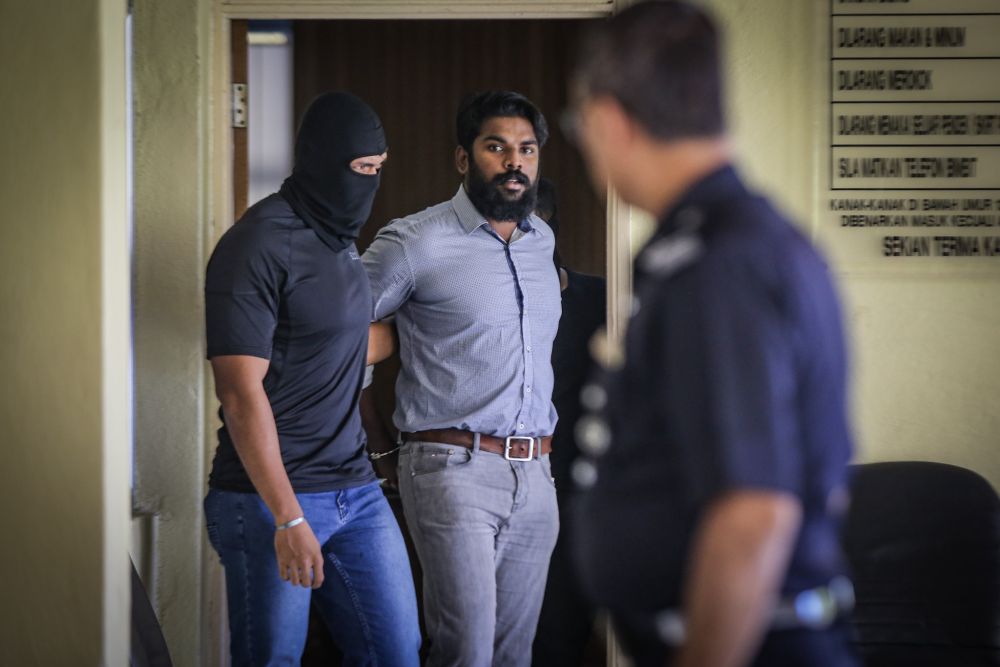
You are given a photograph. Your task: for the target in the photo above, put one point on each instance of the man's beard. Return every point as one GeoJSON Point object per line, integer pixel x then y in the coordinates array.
{"type": "Point", "coordinates": [493, 203]}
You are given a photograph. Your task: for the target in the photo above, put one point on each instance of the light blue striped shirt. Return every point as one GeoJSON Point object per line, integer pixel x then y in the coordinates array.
{"type": "Point", "coordinates": [476, 319]}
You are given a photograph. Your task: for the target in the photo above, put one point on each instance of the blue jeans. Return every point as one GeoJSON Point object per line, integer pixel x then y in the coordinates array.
{"type": "Point", "coordinates": [484, 529]}
{"type": "Point", "coordinates": [367, 597]}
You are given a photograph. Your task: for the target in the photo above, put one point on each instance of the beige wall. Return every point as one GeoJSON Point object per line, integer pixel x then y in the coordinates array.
{"type": "Point", "coordinates": [63, 334]}
{"type": "Point", "coordinates": [171, 157]}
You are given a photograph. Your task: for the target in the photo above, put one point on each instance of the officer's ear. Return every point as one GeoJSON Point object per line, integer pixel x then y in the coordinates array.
{"type": "Point", "coordinates": [461, 160]}
{"type": "Point", "coordinates": [611, 119]}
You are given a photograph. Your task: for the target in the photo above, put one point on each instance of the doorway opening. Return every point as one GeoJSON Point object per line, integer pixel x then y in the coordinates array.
{"type": "Point", "coordinates": [413, 72]}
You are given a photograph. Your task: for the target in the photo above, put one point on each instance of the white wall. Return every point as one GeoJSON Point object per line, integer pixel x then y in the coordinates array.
{"type": "Point", "coordinates": [272, 125]}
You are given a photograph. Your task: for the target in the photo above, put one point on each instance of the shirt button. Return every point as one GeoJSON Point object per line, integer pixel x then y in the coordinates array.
{"type": "Point", "coordinates": [527, 390]}
{"type": "Point", "coordinates": [520, 427]}
{"type": "Point", "coordinates": [593, 435]}
{"type": "Point", "coordinates": [593, 397]}
{"type": "Point", "coordinates": [528, 348]}
{"type": "Point", "coordinates": [584, 473]}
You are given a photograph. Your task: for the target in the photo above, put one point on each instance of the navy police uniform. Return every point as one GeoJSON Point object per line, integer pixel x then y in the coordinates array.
{"type": "Point", "coordinates": [733, 377]}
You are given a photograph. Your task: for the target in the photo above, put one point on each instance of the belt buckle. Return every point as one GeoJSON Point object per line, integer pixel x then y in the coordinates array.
{"type": "Point", "coordinates": [531, 448]}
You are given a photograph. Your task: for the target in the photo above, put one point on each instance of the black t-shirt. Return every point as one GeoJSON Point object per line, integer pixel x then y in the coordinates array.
{"type": "Point", "coordinates": [583, 312]}
{"type": "Point", "coordinates": [275, 291]}
{"type": "Point", "coordinates": [734, 378]}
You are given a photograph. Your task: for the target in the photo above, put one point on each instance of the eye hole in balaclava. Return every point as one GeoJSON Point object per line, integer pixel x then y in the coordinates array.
{"type": "Point", "coordinates": [323, 190]}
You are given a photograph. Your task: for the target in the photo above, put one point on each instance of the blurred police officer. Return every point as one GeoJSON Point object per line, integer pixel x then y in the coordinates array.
{"type": "Point", "coordinates": [717, 477]}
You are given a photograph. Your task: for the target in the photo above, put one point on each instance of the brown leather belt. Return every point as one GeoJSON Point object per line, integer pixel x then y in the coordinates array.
{"type": "Point", "coordinates": [514, 448]}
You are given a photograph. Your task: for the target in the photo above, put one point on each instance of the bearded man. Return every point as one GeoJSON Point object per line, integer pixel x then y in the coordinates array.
{"type": "Point", "coordinates": [477, 303]}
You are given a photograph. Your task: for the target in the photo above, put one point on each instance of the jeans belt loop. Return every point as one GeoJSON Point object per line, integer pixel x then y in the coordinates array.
{"type": "Point", "coordinates": [475, 443]}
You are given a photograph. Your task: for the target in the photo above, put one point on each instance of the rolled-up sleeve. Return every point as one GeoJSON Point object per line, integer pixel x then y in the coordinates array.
{"type": "Point", "coordinates": [389, 271]}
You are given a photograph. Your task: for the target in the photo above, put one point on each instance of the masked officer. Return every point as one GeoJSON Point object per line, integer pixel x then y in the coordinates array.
{"type": "Point", "coordinates": [293, 509]}
{"type": "Point", "coordinates": [718, 464]}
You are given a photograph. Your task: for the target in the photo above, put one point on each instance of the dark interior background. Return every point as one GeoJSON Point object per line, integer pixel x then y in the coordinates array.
{"type": "Point", "coordinates": [414, 73]}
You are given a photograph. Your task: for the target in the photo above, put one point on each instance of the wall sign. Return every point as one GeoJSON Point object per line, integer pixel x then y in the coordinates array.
{"type": "Point", "coordinates": [914, 162]}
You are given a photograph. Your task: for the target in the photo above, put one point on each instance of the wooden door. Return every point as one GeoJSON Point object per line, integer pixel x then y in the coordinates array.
{"type": "Point", "coordinates": [241, 166]}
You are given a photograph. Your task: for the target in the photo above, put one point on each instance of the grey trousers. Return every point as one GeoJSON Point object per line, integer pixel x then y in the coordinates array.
{"type": "Point", "coordinates": [484, 528]}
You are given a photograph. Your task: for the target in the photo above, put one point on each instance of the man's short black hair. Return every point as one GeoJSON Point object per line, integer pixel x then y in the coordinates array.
{"type": "Point", "coordinates": [660, 60]}
{"type": "Point", "coordinates": [547, 208]}
{"type": "Point", "coordinates": [546, 203]}
{"type": "Point", "coordinates": [479, 107]}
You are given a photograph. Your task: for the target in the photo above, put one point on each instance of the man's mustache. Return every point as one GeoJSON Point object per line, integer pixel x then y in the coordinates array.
{"type": "Point", "coordinates": [500, 179]}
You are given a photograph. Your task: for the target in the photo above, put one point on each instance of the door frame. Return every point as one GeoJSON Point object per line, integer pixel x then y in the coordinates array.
{"type": "Point", "coordinates": [619, 214]}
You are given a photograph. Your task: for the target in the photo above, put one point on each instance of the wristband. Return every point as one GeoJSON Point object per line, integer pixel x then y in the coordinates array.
{"type": "Point", "coordinates": [294, 522]}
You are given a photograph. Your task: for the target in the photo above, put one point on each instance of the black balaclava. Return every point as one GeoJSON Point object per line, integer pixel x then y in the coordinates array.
{"type": "Point", "coordinates": [323, 190]}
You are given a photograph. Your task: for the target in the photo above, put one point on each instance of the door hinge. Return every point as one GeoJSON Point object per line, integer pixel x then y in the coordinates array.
{"type": "Point", "coordinates": [239, 105]}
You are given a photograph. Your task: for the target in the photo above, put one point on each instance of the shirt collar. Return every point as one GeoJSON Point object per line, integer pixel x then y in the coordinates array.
{"type": "Point", "coordinates": [471, 219]}
{"type": "Point", "coordinates": [722, 183]}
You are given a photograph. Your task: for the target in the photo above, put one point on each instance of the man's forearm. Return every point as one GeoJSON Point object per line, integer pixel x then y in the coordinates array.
{"type": "Point", "coordinates": [735, 571]}
{"type": "Point", "coordinates": [250, 422]}
{"type": "Point", "coordinates": [382, 341]}
{"type": "Point", "coordinates": [379, 440]}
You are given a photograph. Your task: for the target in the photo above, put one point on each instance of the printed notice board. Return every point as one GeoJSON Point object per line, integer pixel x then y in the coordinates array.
{"type": "Point", "coordinates": [914, 145]}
